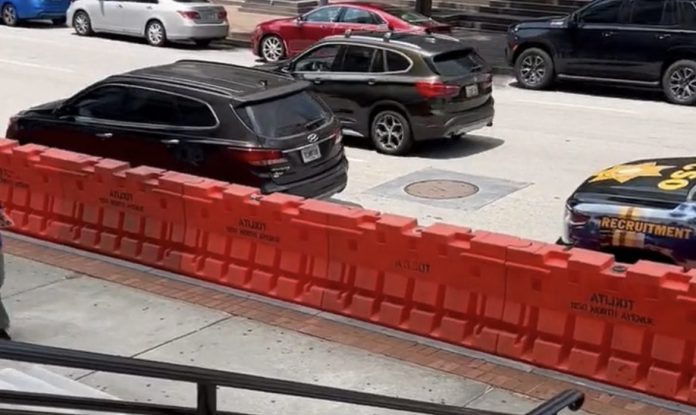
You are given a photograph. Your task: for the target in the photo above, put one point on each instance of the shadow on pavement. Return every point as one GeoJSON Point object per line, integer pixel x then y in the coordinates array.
{"type": "Point", "coordinates": [446, 148]}
{"type": "Point", "coordinates": [608, 91]}
{"type": "Point", "coordinates": [39, 24]}
{"type": "Point", "coordinates": [180, 45]}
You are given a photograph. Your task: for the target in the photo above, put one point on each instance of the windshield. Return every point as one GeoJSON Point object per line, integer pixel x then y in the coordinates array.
{"type": "Point", "coordinates": [457, 63]}
{"type": "Point", "coordinates": [286, 116]}
{"type": "Point", "coordinates": [407, 15]}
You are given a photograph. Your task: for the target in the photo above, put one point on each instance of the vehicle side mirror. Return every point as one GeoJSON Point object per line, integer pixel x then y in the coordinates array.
{"type": "Point", "coordinates": [285, 68]}
{"type": "Point", "coordinates": [574, 20]}
{"type": "Point", "coordinates": [64, 112]}
{"type": "Point", "coordinates": [299, 21]}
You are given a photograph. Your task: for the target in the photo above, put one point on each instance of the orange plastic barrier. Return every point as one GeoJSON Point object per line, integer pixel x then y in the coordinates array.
{"type": "Point", "coordinates": [574, 311]}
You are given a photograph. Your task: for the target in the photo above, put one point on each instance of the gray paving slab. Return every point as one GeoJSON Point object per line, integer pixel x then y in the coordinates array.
{"type": "Point", "coordinates": [246, 346]}
{"type": "Point", "coordinates": [24, 275]}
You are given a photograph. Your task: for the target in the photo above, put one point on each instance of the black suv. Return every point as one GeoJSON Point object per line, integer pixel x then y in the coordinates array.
{"type": "Point", "coordinates": [397, 88]}
{"type": "Point", "coordinates": [641, 42]}
{"type": "Point", "coordinates": [226, 122]}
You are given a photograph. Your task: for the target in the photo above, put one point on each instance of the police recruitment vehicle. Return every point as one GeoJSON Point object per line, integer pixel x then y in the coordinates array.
{"type": "Point", "coordinates": [644, 209]}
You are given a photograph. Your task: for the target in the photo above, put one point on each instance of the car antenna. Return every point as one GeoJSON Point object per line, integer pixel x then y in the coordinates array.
{"type": "Point", "coordinates": [349, 32]}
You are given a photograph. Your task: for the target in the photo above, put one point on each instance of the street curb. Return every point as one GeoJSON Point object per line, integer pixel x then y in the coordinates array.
{"type": "Point", "coordinates": [245, 43]}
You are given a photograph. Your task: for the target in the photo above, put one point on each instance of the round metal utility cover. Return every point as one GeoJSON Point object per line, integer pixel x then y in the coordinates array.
{"type": "Point", "coordinates": [441, 189]}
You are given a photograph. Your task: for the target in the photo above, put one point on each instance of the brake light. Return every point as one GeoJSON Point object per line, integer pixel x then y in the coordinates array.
{"type": "Point", "coordinates": [436, 89]}
{"type": "Point", "coordinates": [256, 157]}
{"type": "Point", "coordinates": [338, 136]}
{"type": "Point", "coordinates": [488, 81]}
{"type": "Point", "coordinates": [188, 14]}
{"type": "Point", "coordinates": [222, 14]}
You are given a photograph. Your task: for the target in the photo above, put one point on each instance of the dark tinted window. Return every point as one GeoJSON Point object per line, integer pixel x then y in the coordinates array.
{"type": "Point", "coordinates": [354, 15]}
{"type": "Point", "coordinates": [396, 62]}
{"type": "Point", "coordinates": [285, 116]}
{"type": "Point", "coordinates": [105, 103]}
{"type": "Point", "coordinates": [357, 59]}
{"type": "Point", "coordinates": [688, 13]}
{"type": "Point", "coordinates": [320, 59]}
{"type": "Point", "coordinates": [606, 11]}
{"type": "Point", "coordinates": [458, 63]}
{"type": "Point", "coordinates": [152, 107]}
{"type": "Point", "coordinates": [649, 12]}
{"type": "Point", "coordinates": [378, 62]}
{"type": "Point", "coordinates": [327, 14]}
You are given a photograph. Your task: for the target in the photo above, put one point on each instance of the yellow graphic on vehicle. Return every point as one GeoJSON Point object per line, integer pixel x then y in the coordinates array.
{"type": "Point", "coordinates": [680, 178]}
{"type": "Point", "coordinates": [627, 172]}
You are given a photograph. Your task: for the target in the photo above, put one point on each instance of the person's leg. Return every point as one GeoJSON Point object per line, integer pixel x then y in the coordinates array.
{"type": "Point", "coordinates": [4, 317]}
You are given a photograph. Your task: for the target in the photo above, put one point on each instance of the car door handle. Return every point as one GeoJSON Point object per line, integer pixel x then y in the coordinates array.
{"type": "Point", "coordinates": [607, 34]}
{"type": "Point", "coordinates": [663, 36]}
{"type": "Point", "coordinates": [120, 6]}
{"type": "Point", "coordinates": [317, 81]}
{"type": "Point", "coordinates": [371, 81]}
{"type": "Point", "coordinates": [172, 141]}
{"type": "Point", "coordinates": [104, 135]}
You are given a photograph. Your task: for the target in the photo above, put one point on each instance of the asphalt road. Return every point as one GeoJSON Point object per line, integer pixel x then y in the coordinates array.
{"type": "Point", "coordinates": [540, 148]}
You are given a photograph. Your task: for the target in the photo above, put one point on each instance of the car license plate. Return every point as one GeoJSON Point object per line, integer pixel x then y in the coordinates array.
{"type": "Point", "coordinates": [311, 153]}
{"type": "Point", "coordinates": [471, 90]}
{"type": "Point", "coordinates": [209, 16]}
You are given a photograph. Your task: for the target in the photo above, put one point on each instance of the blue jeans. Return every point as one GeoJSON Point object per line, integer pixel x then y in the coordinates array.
{"type": "Point", "coordinates": [4, 317]}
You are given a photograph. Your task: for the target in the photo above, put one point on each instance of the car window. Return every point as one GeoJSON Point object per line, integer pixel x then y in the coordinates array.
{"type": "Point", "coordinates": [357, 59]}
{"type": "Point", "coordinates": [105, 103]}
{"type": "Point", "coordinates": [320, 59]}
{"type": "Point", "coordinates": [650, 12]}
{"type": "Point", "coordinates": [396, 62]}
{"type": "Point", "coordinates": [688, 13]}
{"type": "Point", "coordinates": [457, 63]}
{"type": "Point", "coordinates": [407, 15]}
{"type": "Point", "coordinates": [326, 14]}
{"type": "Point", "coordinates": [378, 62]}
{"type": "Point", "coordinates": [154, 107]}
{"type": "Point", "coordinates": [607, 11]}
{"type": "Point", "coordinates": [359, 16]}
{"type": "Point", "coordinates": [285, 116]}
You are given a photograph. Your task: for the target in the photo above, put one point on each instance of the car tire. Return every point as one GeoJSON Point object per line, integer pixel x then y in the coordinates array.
{"type": "Point", "coordinates": [679, 82]}
{"type": "Point", "coordinates": [82, 23]}
{"type": "Point", "coordinates": [202, 43]}
{"type": "Point", "coordinates": [391, 133]}
{"type": "Point", "coordinates": [59, 22]}
{"type": "Point", "coordinates": [534, 69]}
{"type": "Point", "coordinates": [155, 33]}
{"type": "Point", "coordinates": [9, 15]}
{"type": "Point", "coordinates": [272, 48]}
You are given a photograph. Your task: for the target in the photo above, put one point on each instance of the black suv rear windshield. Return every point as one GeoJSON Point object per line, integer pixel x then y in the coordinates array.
{"type": "Point", "coordinates": [458, 62]}
{"type": "Point", "coordinates": [286, 116]}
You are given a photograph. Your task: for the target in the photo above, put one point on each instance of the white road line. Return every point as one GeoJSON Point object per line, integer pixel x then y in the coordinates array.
{"type": "Point", "coordinates": [586, 107]}
{"type": "Point", "coordinates": [36, 65]}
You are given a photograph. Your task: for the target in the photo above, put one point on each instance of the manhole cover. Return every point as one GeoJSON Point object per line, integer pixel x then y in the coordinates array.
{"type": "Point", "coordinates": [441, 189]}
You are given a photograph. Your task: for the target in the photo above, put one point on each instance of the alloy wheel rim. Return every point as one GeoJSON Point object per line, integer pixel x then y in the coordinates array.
{"type": "Point", "coordinates": [155, 33]}
{"type": "Point", "coordinates": [533, 69]}
{"type": "Point", "coordinates": [9, 15]}
{"type": "Point", "coordinates": [272, 49]}
{"type": "Point", "coordinates": [81, 24]}
{"type": "Point", "coordinates": [682, 83]}
{"type": "Point", "coordinates": [389, 131]}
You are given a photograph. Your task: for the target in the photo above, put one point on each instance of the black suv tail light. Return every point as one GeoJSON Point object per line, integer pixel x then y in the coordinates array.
{"type": "Point", "coordinates": [436, 89]}
{"type": "Point", "coordinates": [257, 157]}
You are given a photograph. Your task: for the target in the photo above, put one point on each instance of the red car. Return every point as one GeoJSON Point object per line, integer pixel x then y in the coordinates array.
{"type": "Point", "coordinates": [283, 38]}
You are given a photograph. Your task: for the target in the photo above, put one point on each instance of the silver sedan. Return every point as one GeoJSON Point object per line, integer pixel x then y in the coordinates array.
{"type": "Point", "coordinates": [158, 21]}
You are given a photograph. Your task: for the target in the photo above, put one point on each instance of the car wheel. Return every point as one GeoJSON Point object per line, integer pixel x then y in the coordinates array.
{"type": "Point", "coordinates": [155, 33]}
{"type": "Point", "coordinates": [679, 82]}
{"type": "Point", "coordinates": [272, 48]}
{"type": "Point", "coordinates": [82, 24]}
{"type": "Point", "coordinates": [202, 43]}
{"type": "Point", "coordinates": [391, 133]}
{"type": "Point", "coordinates": [59, 22]}
{"type": "Point", "coordinates": [9, 15]}
{"type": "Point", "coordinates": [534, 69]}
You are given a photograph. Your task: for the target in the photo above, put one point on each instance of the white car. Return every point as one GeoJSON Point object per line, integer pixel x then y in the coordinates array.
{"type": "Point", "coordinates": [158, 21]}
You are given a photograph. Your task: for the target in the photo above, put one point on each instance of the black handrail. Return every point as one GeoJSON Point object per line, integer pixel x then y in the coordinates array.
{"type": "Point", "coordinates": [208, 380]}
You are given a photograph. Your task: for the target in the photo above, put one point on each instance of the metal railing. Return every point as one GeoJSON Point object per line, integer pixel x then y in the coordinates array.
{"type": "Point", "coordinates": [208, 381]}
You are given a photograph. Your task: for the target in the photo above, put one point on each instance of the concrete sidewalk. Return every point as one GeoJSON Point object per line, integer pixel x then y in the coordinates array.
{"type": "Point", "coordinates": [82, 301]}
{"type": "Point", "coordinates": [491, 45]}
